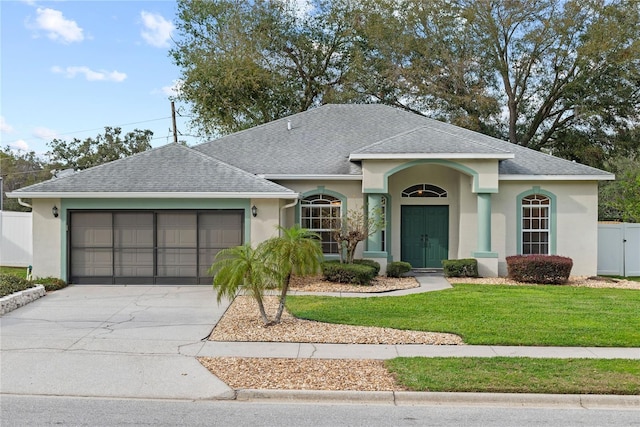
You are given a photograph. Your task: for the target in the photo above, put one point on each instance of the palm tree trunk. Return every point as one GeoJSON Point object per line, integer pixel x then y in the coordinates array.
{"type": "Point", "coordinates": [263, 313]}
{"type": "Point", "coordinates": [283, 298]}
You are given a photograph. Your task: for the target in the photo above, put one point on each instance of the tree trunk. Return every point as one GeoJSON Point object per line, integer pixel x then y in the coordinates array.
{"type": "Point", "coordinates": [283, 298]}
{"type": "Point", "coordinates": [263, 313]}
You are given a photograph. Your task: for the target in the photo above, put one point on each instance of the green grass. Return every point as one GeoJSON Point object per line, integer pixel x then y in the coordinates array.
{"type": "Point", "coordinates": [518, 375]}
{"type": "Point", "coordinates": [494, 314]}
{"type": "Point", "coordinates": [13, 279]}
{"type": "Point", "coordinates": [16, 271]}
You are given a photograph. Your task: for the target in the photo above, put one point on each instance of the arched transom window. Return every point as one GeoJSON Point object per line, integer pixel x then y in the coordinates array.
{"type": "Point", "coordinates": [424, 190]}
{"type": "Point", "coordinates": [321, 214]}
{"type": "Point", "coordinates": [536, 227]}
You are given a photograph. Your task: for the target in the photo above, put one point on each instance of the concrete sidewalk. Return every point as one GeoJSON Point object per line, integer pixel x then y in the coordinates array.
{"type": "Point", "coordinates": [383, 352]}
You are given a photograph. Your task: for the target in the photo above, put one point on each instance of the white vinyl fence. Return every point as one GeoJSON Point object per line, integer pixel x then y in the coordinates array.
{"type": "Point", "coordinates": [619, 249]}
{"type": "Point", "coordinates": [15, 239]}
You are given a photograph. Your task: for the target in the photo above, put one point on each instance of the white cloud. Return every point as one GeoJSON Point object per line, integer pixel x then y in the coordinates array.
{"type": "Point", "coordinates": [4, 126]}
{"type": "Point", "coordinates": [57, 27]}
{"type": "Point", "coordinates": [20, 145]}
{"type": "Point", "coordinates": [45, 133]}
{"type": "Point", "coordinates": [173, 90]}
{"type": "Point", "coordinates": [89, 74]}
{"type": "Point", "coordinates": [157, 30]}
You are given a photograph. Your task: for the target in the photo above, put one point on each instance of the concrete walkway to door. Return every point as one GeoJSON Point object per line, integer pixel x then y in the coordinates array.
{"type": "Point", "coordinates": [112, 341]}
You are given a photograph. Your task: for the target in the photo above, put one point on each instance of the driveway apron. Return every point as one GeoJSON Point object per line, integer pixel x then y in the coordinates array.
{"type": "Point", "coordinates": [112, 341]}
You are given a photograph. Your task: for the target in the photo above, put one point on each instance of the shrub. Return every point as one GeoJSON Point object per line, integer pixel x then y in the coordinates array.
{"type": "Point", "coordinates": [467, 267]}
{"type": "Point", "coordinates": [50, 283]}
{"type": "Point", "coordinates": [10, 284]}
{"type": "Point", "coordinates": [546, 269]}
{"type": "Point", "coordinates": [359, 274]}
{"type": "Point", "coordinates": [398, 268]}
{"type": "Point", "coordinates": [371, 263]}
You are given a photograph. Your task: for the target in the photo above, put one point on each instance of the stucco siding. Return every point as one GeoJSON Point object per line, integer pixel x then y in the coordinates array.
{"type": "Point", "coordinates": [468, 220]}
{"type": "Point", "coordinates": [264, 225]}
{"type": "Point", "coordinates": [576, 216]}
{"type": "Point", "coordinates": [47, 239]}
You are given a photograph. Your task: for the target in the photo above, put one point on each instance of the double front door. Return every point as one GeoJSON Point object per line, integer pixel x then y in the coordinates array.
{"type": "Point", "coordinates": [425, 235]}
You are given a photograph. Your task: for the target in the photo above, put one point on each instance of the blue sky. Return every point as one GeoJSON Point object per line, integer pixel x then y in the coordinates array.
{"type": "Point", "coordinates": [70, 68]}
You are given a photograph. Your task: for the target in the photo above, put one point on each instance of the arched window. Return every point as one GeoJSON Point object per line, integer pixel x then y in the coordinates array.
{"type": "Point", "coordinates": [536, 224]}
{"type": "Point", "coordinates": [321, 213]}
{"type": "Point", "coordinates": [424, 190]}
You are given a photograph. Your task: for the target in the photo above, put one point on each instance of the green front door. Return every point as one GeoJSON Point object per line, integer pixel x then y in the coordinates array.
{"type": "Point", "coordinates": [425, 235]}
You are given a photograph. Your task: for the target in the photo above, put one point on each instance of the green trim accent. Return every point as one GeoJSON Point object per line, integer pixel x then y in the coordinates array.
{"type": "Point", "coordinates": [484, 222]}
{"type": "Point", "coordinates": [144, 204]}
{"type": "Point", "coordinates": [483, 254]}
{"type": "Point", "coordinates": [375, 254]}
{"type": "Point", "coordinates": [552, 218]}
{"type": "Point", "coordinates": [331, 257]}
{"type": "Point", "coordinates": [448, 163]}
{"type": "Point", "coordinates": [388, 234]}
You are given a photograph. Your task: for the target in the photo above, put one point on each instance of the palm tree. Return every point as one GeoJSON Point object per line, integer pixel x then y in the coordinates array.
{"type": "Point", "coordinates": [242, 268]}
{"type": "Point", "coordinates": [296, 251]}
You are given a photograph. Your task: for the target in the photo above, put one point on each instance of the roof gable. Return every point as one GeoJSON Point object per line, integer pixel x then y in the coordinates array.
{"type": "Point", "coordinates": [424, 141]}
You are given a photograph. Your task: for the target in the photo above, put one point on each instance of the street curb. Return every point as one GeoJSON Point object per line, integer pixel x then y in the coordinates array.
{"type": "Point", "coordinates": [408, 398]}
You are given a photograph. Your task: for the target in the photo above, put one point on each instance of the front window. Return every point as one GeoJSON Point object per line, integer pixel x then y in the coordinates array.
{"type": "Point", "coordinates": [424, 190]}
{"type": "Point", "coordinates": [321, 214]}
{"type": "Point", "coordinates": [535, 224]}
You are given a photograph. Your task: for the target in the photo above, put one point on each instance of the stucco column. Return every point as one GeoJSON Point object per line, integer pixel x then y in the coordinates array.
{"type": "Point", "coordinates": [374, 241]}
{"type": "Point", "coordinates": [487, 260]}
{"type": "Point", "coordinates": [484, 222]}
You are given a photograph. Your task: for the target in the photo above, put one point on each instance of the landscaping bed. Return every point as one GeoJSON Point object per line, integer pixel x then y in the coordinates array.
{"type": "Point", "coordinates": [609, 376]}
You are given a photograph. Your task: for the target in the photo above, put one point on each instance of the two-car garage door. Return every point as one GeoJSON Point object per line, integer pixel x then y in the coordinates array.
{"type": "Point", "coordinates": [149, 247]}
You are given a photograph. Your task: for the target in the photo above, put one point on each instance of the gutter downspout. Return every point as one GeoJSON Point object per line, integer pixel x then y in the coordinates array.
{"type": "Point", "coordinates": [26, 205]}
{"type": "Point", "coordinates": [290, 205]}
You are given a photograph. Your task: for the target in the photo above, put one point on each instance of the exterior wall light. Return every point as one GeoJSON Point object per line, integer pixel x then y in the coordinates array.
{"type": "Point", "coordinates": [254, 211]}
{"type": "Point", "coordinates": [54, 211]}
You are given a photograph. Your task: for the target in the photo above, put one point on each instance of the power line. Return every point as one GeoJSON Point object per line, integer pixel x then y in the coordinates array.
{"type": "Point", "coordinates": [90, 130]}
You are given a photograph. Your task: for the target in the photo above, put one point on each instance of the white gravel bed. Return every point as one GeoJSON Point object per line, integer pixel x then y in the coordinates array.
{"type": "Point", "coordinates": [242, 322]}
{"type": "Point", "coordinates": [301, 374]}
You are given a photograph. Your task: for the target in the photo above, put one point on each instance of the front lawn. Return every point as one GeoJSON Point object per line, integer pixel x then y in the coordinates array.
{"type": "Point", "coordinates": [518, 375]}
{"type": "Point", "coordinates": [494, 314]}
{"type": "Point", "coordinates": [16, 271]}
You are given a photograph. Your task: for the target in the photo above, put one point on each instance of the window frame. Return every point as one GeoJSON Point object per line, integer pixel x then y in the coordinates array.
{"type": "Point", "coordinates": [424, 190]}
{"type": "Point", "coordinates": [522, 203]}
{"type": "Point", "coordinates": [328, 200]}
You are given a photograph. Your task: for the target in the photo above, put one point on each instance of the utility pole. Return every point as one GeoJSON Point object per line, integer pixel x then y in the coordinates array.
{"type": "Point", "coordinates": [173, 118]}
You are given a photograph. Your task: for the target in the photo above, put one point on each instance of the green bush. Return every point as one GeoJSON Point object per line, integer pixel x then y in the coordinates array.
{"type": "Point", "coordinates": [50, 283]}
{"type": "Point", "coordinates": [10, 284]}
{"type": "Point", "coordinates": [398, 268]}
{"type": "Point", "coordinates": [358, 274]}
{"type": "Point", "coordinates": [371, 263]}
{"type": "Point", "coordinates": [467, 267]}
{"type": "Point", "coordinates": [545, 269]}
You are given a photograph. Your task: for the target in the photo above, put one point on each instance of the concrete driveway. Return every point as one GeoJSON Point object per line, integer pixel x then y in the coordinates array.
{"type": "Point", "coordinates": [112, 341]}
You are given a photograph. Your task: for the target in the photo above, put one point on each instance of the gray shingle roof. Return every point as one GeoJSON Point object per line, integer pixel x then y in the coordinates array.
{"type": "Point", "coordinates": [322, 139]}
{"type": "Point", "coordinates": [320, 142]}
{"type": "Point", "coordinates": [427, 140]}
{"type": "Point", "coordinates": [172, 168]}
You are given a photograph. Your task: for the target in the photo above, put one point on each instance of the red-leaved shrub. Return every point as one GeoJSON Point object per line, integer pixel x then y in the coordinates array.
{"type": "Point", "coordinates": [547, 269]}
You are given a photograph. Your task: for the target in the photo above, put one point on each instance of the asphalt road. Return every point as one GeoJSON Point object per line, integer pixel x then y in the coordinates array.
{"type": "Point", "coordinates": [68, 411]}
